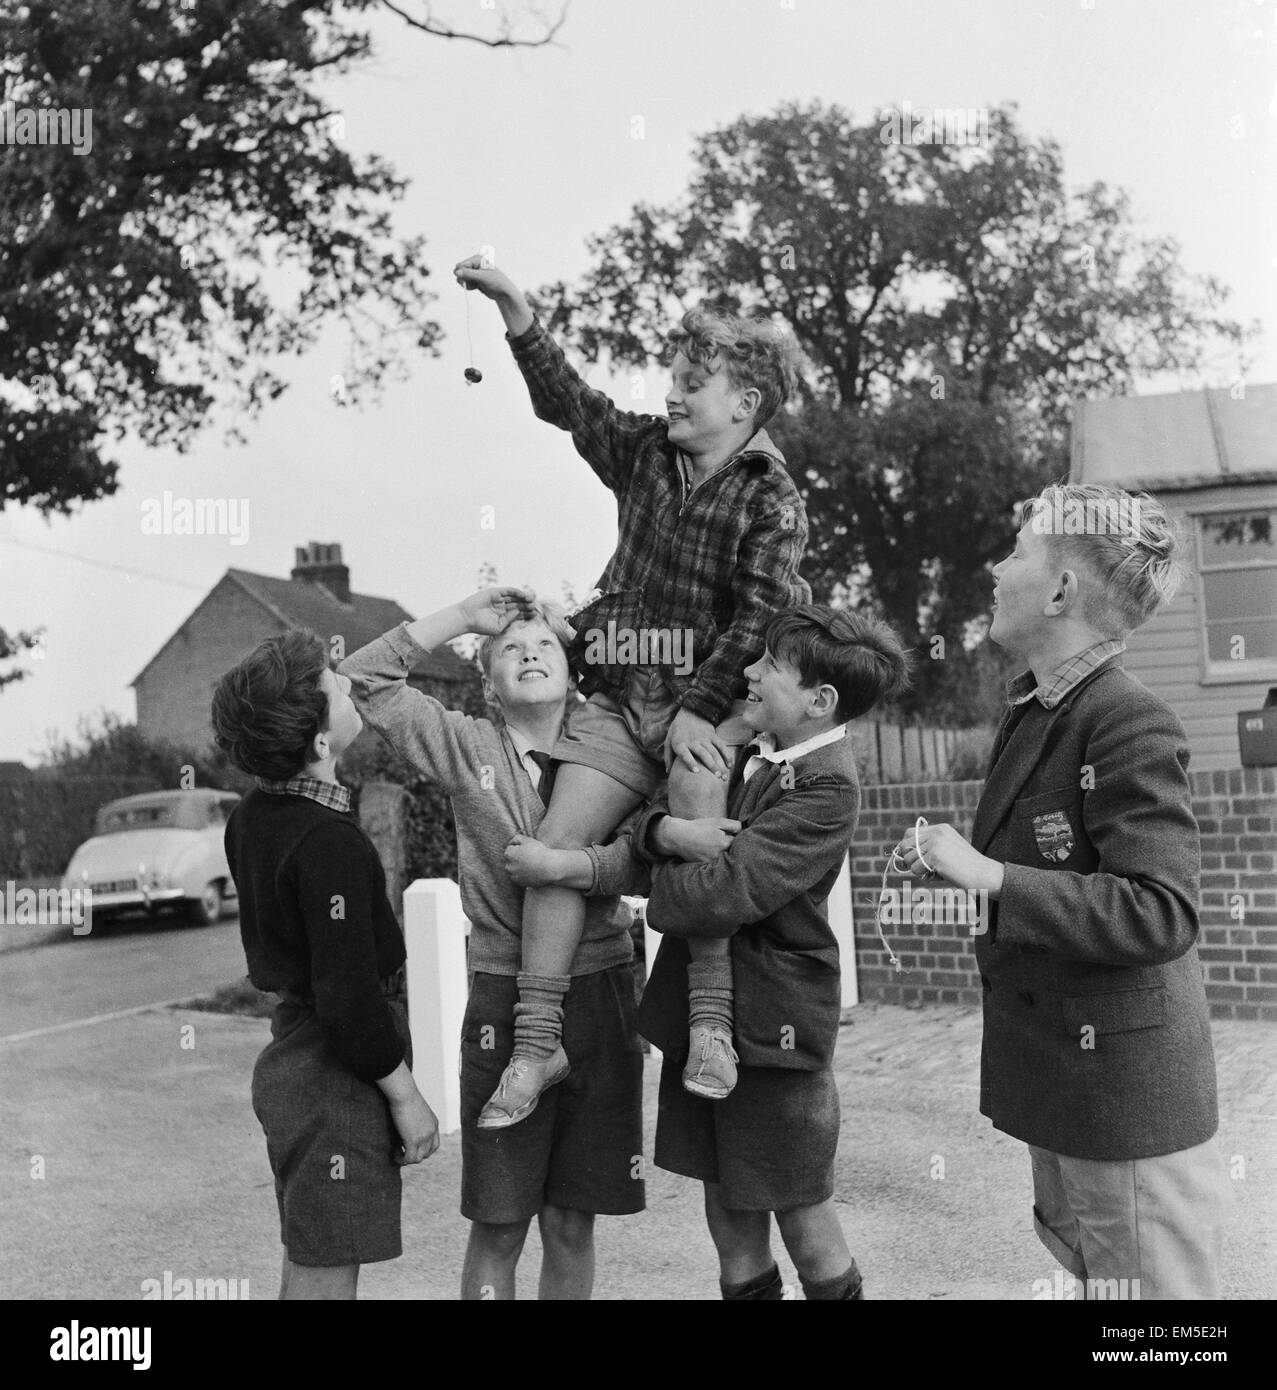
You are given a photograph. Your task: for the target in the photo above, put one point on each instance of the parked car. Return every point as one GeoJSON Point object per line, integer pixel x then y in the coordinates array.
{"type": "Point", "coordinates": [157, 850]}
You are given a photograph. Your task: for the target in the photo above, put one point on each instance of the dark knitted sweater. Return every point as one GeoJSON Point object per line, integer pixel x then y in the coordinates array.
{"type": "Point", "coordinates": [314, 920]}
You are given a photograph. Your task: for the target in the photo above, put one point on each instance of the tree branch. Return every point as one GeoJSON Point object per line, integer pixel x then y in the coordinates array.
{"type": "Point", "coordinates": [429, 25]}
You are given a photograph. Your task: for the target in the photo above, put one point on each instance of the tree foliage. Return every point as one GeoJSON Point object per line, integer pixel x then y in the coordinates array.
{"type": "Point", "coordinates": [142, 276]}
{"type": "Point", "coordinates": [14, 645]}
{"type": "Point", "coordinates": [208, 220]}
{"type": "Point", "coordinates": [111, 747]}
{"type": "Point", "coordinates": [952, 301]}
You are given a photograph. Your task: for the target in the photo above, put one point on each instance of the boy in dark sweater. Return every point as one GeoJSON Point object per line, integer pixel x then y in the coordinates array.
{"type": "Point", "coordinates": [332, 1089]}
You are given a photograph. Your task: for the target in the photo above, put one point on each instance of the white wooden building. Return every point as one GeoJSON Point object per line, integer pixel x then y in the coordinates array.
{"type": "Point", "coordinates": [1211, 459]}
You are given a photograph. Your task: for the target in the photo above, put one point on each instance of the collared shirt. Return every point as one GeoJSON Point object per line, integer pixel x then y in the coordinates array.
{"type": "Point", "coordinates": [330, 794]}
{"type": "Point", "coordinates": [717, 560]}
{"type": "Point", "coordinates": [1066, 675]}
{"type": "Point", "coordinates": [688, 476]}
{"type": "Point", "coordinates": [523, 747]}
{"type": "Point", "coordinates": [769, 753]}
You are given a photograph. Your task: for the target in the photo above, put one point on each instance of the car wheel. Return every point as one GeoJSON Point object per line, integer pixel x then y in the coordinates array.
{"type": "Point", "coordinates": [207, 908]}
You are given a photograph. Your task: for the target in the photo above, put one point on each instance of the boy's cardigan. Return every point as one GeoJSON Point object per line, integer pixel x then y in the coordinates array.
{"type": "Point", "coordinates": [314, 920]}
{"type": "Point", "coordinates": [767, 892]}
{"type": "Point", "coordinates": [1096, 1033]}
{"type": "Point", "coordinates": [718, 563]}
{"type": "Point", "coordinates": [493, 799]}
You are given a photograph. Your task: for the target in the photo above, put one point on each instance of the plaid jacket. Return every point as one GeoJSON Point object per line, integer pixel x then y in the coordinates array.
{"type": "Point", "coordinates": [715, 564]}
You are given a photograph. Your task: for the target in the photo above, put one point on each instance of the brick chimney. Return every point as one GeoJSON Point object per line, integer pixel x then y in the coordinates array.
{"type": "Point", "coordinates": [319, 562]}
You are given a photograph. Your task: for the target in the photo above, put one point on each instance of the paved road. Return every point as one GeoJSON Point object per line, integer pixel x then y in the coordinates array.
{"type": "Point", "coordinates": [122, 967]}
{"type": "Point", "coordinates": [130, 1149]}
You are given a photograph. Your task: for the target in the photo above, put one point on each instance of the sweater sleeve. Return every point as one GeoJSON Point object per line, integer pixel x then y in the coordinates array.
{"type": "Point", "coordinates": [1139, 906]}
{"type": "Point", "coordinates": [786, 850]}
{"type": "Point", "coordinates": [437, 741]}
{"type": "Point", "coordinates": [617, 868]}
{"type": "Point", "coordinates": [328, 876]}
{"type": "Point", "coordinates": [609, 439]}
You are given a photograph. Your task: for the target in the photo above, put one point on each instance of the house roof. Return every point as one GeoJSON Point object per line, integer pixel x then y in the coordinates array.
{"type": "Point", "coordinates": [304, 603]}
{"type": "Point", "coordinates": [1185, 439]}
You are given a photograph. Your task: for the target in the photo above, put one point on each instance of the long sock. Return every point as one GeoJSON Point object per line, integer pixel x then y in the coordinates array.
{"type": "Point", "coordinates": [837, 1290]}
{"type": "Point", "coordinates": [538, 1016]}
{"type": "Point", "coordinates": [709, 992]}
{"type": "Point", "coordinates": [763, 1288]}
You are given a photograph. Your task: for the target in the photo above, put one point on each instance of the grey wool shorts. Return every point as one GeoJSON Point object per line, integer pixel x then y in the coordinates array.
{"type": "Point", "coordinates": [770, 1145]}
{"type": "Point", "coordinates": [331, 1144]}
{"type": "Point", "coordinates": [582, 1147]}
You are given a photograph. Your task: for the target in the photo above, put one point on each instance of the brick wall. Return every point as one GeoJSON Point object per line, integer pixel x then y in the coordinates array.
{"type": "Point", "coordinates": [1237, 812]}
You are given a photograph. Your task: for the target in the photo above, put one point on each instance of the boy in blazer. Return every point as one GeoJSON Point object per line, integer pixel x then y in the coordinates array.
{"type": "Point", "coordinates": [1097, 1049]}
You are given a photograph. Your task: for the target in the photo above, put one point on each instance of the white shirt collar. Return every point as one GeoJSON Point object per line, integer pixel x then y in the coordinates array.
{"type": "Point", "coordinates": [523, 747]}
{"type": "Point", "coordinates": [768, 752]}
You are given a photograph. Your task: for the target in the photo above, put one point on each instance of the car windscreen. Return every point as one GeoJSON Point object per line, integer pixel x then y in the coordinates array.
{"type": "Point", "coordinates": [177, 813]}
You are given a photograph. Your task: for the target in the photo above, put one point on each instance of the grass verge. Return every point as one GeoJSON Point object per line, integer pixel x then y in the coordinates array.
{"type": "Point", "coordinates": [241, 997]}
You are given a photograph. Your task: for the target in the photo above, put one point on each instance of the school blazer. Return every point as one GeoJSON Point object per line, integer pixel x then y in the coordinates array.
{"type": "Point", "coordinates": [1096, 1032]}
{"type": "Point", "coordinates": [768, 894]}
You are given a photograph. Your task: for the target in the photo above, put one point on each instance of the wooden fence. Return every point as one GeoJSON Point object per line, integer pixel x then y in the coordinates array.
{"type": "Point", "coordinates": [903, 752]}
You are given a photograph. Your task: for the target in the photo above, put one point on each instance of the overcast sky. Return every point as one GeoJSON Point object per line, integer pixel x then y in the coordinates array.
{"type": "Point", "coordinates": [530, 152]}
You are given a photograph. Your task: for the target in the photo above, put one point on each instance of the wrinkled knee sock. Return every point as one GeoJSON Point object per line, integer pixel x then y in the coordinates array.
{"type": "Point", "coordinates": [709, 992]}
{"type": "Point", "coordinates": [763, 1288]}
{"type": "Point", "coordinates": [538, 1016]}
{"type": "Point", "coordinates": [837, 1290]}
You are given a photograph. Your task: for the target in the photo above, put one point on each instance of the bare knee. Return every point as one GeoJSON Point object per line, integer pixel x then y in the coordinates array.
{"type": "Point", "coordinates": [736, 1234]}
{"type": "Point", "coordinates": [696, 795]}
{"type": "Point", "coordinates": [498, 1241]}
{"type": "Point", "coordinates": [571, 1232]}
{"type": "Point", "coordinates": [814, 1238]}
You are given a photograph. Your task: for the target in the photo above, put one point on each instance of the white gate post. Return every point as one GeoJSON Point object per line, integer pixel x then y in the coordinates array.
{"type": "Point", "coordinates": [435, 937]}
{"type": "Point", "coordinates": [842, 920]}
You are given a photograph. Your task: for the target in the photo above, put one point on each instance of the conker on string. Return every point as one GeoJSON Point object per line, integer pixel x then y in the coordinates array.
{"type": "Point", "coordinates": [474, 376]}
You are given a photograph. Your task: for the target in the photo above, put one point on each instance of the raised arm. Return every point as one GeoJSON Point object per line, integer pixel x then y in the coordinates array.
{"type": "Point", "coordinates": [431, 738]}
{"type": "Point", "coordinates": [609, 439]}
